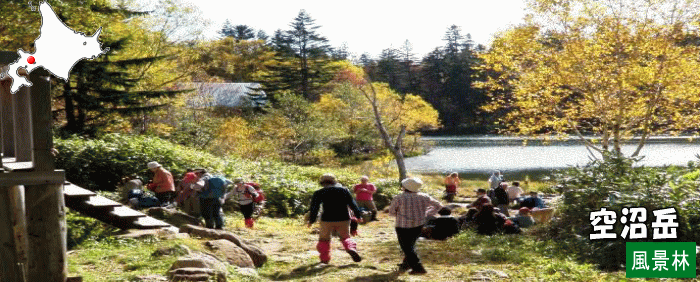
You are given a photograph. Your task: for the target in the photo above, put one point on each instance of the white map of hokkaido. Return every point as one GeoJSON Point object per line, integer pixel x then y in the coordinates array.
{"type": "Point", "coordinates": [58, 49]}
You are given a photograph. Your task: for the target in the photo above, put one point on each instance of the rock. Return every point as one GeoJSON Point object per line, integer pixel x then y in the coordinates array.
{"type": "Point", "coordinates": [231, 252]}
{"type": "Point", "coordinates": [256, 253]}
{"type": "Point", "coordinates": [479, 278]}
{"type": "Point", "coordinates": [173, 216]}
{"type": "Point", "coordinates": [198, 267]}
{"type": "Point", "coordinates": [249, 272]}
{"type": "Point", "coordinates": [151, 278]}
{"type": "Point", "coordinates": [175, 250]}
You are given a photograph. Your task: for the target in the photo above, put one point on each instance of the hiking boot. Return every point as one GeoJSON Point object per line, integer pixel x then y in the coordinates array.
{"type": "Point", "coordinates": [355, 256]}
{"type": "Point", "coordinates": [418, 270]}
{"type": "Point", "coordinates": [403, 267]}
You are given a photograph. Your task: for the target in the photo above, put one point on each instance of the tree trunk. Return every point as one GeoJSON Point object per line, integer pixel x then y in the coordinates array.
{"type": "Point", "coordinates": [394, 148]}
{"type": "Point", "coordinates": [69, 107]}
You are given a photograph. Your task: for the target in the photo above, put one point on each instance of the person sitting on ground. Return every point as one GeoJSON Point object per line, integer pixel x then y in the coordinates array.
{"type": "Point", "coordinates": [488, 221]}
{"type": "Point", "coordinates": [128, 184]}
{"type": "Point", "coordinates": [467, 221]}
{"type": "Point", "coordinates": [533, 201]}
{"type": "Point", "coordinates": [441, 227]}
{"type": "Point", "coordinates": [363, 194]}
{"type": "Point", "coordinates": [523, 218]}
{"type": "Point", "coordinates": [410, 209]}
{"type": "Point", "coordinates": [501, 200]}
{"type": "Point", "coordinates": [538, 210]}
{"type": "Point", "coordinates": [335, 200]}
{"type": "Point", "coordinates": [481, 199]}
{"type": "Point", "coordinates": [162, 184]}
{"type": "Point", "coordinates": [514, 192]}
{"type": "Point", "coordinates": [451, 184]}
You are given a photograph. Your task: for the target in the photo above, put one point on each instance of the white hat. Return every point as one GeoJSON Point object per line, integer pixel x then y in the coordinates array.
{"type": "Point", "coordinates": [153, 165]}
{"type": "Point", "coordinates": [412, 184]}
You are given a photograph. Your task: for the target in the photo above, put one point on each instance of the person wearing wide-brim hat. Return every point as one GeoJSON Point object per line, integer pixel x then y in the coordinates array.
{"type": "Point", "coordinates": [410, 209]}
{"type": "Point", "coordinates": [335, 200]}
{"type": "Point", "coordinates": [163, 184]}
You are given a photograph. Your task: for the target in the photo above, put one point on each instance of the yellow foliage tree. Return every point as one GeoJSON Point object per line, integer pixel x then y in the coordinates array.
{"type": "Point", "coordinates": [361, 105]}
{"type": "Point", "coordinates": [612, 68]}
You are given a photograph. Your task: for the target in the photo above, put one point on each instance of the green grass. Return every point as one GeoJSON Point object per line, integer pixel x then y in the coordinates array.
{"type": "Point", "coordinates": [290, 247]}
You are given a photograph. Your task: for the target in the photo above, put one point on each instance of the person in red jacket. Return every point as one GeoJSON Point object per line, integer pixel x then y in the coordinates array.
{"type": "Point", "coordinates": [162, 184]}
{"type": "Point", "coordinates": [363, 194]}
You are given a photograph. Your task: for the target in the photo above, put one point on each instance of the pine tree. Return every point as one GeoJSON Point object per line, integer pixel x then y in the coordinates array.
{"type": "Point", "coordinates": [227, 29]}
{"type": "Point", "coordinates": [303, 57]}
{"type": "Point", "coordinates": [243, 32]}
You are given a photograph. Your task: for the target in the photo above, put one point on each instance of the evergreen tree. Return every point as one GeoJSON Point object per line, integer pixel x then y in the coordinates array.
{"type": "Point", "coordinates": [448, 73]}
{"type": "Point", "coordinates": [262, 35]}
{"type": "Point", "coordinates": [227, 29]}
{"type": "Point", "coordinates": [303, 58]}
{"type": "Point", "coordinates": [243, 32]}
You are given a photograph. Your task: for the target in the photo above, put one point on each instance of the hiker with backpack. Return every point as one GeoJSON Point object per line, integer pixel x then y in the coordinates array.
{"type": "Point", "coordinates": [246, 196]}
{"type": "Point", "coordinates": [211, 195]}
{"type": "Point", "coordinates": [335, 200]}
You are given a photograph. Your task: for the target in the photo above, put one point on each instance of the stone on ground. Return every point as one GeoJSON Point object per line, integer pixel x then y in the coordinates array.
{"type": "Point", "coordinates": [233, 254]}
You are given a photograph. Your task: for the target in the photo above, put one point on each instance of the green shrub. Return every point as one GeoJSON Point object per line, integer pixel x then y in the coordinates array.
{"type": "Point", "coordinates": [614, 184]}
{"type": "Point", "coordinates": [99, 165]}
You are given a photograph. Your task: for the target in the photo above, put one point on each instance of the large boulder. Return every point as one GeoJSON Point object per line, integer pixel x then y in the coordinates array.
{"type": "Point", "coordinates": [198, 267]}
{"type": "Point", "coordinates": [256, 253]}
{"type": "Point", "coordinates": [173, 216]}
{"type": "Point", "coordinates": [231, 252]}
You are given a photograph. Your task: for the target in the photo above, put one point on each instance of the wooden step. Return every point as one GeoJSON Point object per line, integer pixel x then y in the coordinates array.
{"type": "Point", "coordinates": [101, 202]}
{"type": "Point", "coordinates": [73, 191]}
{"type": "Point", "coordinates": [125, 212]}
{"type": "Point", "coordinates": [149, 223]}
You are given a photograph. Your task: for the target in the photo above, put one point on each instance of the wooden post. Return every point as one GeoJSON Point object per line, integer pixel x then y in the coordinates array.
{"type": "Point", "coordinates": [23, 124]}
{"type": "Point", "coordinates": [46, 222]}
{"type": "Point", "coordinates": [9, 261]}
{"type": "Point", "coordinates": [8, 145]}
{"type": "Point", "coordinates": [8, 257]}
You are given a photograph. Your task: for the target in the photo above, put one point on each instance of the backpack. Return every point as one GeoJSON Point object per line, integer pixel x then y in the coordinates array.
{"type": "Point", "coordinates": [261, 195]}
{"type": "Point", "coordinates": [214, 188]}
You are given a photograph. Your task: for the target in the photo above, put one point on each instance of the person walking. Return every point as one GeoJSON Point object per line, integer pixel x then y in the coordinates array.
{"type": "Point", "coordinates": [410, 209]}
{"type": "Point", "coordinates": [211, 192]}
{"type": "Point", "coordinates": [451, 184]}
{"type": "Point", "coordinates": [335, 200]}
{"type": "Point", "coordinates": [363, 194]}
{"type": "Point", "coordinates": [245, 194]}
{"type": "Point", "coordinates": [162, 184]}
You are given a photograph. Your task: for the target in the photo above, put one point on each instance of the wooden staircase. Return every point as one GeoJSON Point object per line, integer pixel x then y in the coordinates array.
{"type": "Point", "coordinates": [108, 211]}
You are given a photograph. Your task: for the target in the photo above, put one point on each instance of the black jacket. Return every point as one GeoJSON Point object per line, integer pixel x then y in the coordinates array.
{"type": "Point", "coordinates": [335, 200]}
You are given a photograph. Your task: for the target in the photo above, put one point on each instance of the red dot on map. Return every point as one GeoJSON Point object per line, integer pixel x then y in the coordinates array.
{"type": "Point", "coordinates": [31, 60]}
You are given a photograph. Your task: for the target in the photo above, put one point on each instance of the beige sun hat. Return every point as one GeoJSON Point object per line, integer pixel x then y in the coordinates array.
{"type": "Point", "coordinates": [412, 184]}
{"type": "Point", "coordinates": [153, 165]}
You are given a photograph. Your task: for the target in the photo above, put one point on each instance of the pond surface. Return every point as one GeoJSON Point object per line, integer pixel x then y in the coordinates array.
{"type": "Point", "coordinates": [478, 156]}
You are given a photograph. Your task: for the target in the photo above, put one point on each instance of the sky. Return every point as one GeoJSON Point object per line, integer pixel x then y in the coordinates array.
{"type": "Point", "coordinates": [368, 26]}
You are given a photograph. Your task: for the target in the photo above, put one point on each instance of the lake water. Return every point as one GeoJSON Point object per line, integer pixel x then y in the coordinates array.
{"type": "Point", "coordinates": [478, 156]}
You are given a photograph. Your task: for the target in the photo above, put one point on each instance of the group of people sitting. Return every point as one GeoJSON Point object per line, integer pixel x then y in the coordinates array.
{"type": "Point", "coordinates": [198, 193]}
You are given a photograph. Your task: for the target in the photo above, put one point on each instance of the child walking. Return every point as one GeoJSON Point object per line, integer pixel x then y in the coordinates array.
{"type": "Point", "coordinates": [410, 208]}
